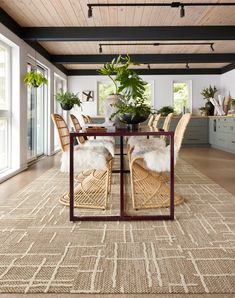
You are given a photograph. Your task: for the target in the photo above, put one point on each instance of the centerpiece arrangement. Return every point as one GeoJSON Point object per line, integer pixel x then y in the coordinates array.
{"type": "Point", "coordinates": [129, 105]}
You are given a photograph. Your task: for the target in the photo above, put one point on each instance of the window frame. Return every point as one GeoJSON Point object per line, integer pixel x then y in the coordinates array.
{"type": "Point", "coordinates": [190, 85]}
{"type": "Point", "coordinates": [7, 113]}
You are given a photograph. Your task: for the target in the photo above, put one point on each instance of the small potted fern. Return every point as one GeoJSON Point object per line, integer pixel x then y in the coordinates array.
{"type": "Point", "coordinates": [68, 99]}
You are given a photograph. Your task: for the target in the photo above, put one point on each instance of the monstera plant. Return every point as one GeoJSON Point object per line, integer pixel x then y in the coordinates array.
{"type": "Point", "coordinates": [131, 107]}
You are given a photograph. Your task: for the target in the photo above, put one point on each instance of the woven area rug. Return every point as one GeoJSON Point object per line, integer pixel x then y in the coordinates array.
{"type": "Point", "coordinates": [42, 251]}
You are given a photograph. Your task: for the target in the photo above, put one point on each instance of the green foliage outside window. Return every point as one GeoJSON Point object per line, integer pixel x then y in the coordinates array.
{"type": "Point", "coordinates": [181, 97]}
{"type": "Point", "coordinates": [104, 91]}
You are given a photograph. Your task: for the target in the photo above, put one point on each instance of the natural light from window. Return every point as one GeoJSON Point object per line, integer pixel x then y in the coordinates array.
{"type": "Point", "coordinates": [182, 97]}
{"type": "Point", "coordinates": [4, 106]}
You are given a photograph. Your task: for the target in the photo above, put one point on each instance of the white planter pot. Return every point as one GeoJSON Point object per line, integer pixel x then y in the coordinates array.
{"type": "Point", "coordinates": [109, 109]}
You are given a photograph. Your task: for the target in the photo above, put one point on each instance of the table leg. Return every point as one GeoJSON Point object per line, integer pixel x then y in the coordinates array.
{"type": "Point", "coordinates": [71, 180]}
{"type": "Point", "coordinates": [172, 175]}
{"type": "Point", "coordinates": [122, 203]}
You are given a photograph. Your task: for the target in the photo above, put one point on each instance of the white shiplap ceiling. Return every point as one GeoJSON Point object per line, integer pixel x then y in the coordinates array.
{"type": "Point", "coordinates": [39, 13]}
{"type": "Point", "coordinates": [56, 13]}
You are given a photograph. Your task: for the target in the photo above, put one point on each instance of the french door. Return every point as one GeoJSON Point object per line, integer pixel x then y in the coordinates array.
{"type": "Point", "coordinates": [59, 84]}
{"type": "Point", "coordinates": [35, 117]}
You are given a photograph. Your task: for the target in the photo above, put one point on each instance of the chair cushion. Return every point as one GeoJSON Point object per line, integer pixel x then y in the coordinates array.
{"type": "Point", "coordinates": [93, 144]}
{"type": "Point", "coordinates": [86, 159]}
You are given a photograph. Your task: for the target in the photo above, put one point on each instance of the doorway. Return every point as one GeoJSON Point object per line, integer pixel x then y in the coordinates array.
{"type": "Point", "coordinates": [36, 102]}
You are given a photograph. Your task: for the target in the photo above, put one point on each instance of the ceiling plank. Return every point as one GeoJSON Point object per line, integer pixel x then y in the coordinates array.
{"type": "Point", "coordinates": [129, 33]}
{"type": "Point", "coordinates": [146, 58]}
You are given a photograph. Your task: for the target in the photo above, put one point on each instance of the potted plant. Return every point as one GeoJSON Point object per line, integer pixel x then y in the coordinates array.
{"type": "Point", "coordinates": [67, 99]}
{"type": "Point", "coordinates": [203, 111]}
{"type": "Point", "coordinates": [34, 79]}
{"type": "Point", "coordinates": [209, 93]}
{"type": "Point", "coordinates": [164, 111]}
{"type": "Point", "coordinates": [112, 70]}
{"type": "Point", "coordinates": [129, 86]}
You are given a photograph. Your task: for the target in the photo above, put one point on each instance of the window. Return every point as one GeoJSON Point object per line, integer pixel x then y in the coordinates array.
{"type": "Point", "coordinates": [36, 116]}
{"type": "Point", "coordinates": [107, 88]}
{"type": "Point", "coordinates": [104, 90]}
{"type": "Point", "coordinates": [5, 107]}
{"type": "Point", "coordinates": [59, 83]}
{"type": "Point", "coordinates": [182, 96]}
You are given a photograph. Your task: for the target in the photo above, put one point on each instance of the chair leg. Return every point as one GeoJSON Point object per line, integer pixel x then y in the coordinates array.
{"type": "Point", "coordinates": [92, 192]}
{"type": "Point", "coordinates": [149, 190]}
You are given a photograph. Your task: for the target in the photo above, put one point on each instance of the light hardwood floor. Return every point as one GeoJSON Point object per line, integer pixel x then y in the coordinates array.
{"type": "Point", "coordinates": [218, 165]}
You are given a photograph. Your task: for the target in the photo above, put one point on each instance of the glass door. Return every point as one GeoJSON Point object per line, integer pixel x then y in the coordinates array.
{"type": "Point", "coordinates": [59, 83]}
{"type": "Point", "coordinates": [35, 117]}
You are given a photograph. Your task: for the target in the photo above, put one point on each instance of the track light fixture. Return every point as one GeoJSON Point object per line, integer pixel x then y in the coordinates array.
{"type": "Point", "coordinates": [89, 11]}
{"type": "Point", "coordinates": [170, 4]}
{"type": "Point", "coordinates": [155, 44]}
{"type": "Point", "coordinates": [182, 11]}
{"type": "Point", "coordinates": [100, 48]}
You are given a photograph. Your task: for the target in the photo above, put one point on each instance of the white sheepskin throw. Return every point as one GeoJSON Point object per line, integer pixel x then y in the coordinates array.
{"type": "Point", "coordinates": [100, 138]}
{"type": "Point", "coordinates": [148, 145]}
{"type": "Point", "coordinates": [159, 160]}
{"type": "Point", "coordinates": [133, 140]}
{"type": "Point", "coordinates": [85, 159]}
{"type": "Point", "coordinates": [94, 144]}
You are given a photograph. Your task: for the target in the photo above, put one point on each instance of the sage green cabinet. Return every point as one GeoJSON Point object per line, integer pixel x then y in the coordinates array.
{"type": "Point", "coordinates": [222, 133]}
{"type": "Point", "coordinates": [197, 131]}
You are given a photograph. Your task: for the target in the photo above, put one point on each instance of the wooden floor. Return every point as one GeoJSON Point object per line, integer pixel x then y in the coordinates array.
{"type": "Point", "coordinates": [216, 164]}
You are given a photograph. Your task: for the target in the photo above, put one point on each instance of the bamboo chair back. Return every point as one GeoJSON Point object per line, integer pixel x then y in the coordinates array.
{"type": "Point", "coordinates": [77, 127]}
{"type": "Point", "coordinates": [85, 119]}
{"type": "Point", "coordinates": [156, 121]}
{"type": "Point", "coordinates": [180, 129]}
{"type": "Point", "coordinates": [88, 119]}
{"type": "Point", "coordinates": [167, 122]}
{"type": "Point", "coordinates": [151, 119]}
{"type": "Point", "coordinates": [62, 130]}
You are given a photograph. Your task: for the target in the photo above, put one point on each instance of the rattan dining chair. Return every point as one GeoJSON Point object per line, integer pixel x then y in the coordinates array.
{"type": "Point", "coordinates": [166, 124]}
{"type": "Point", "coordinates": [81, 140]}
{"type": "Point", "coordinates": [93, 190]}
{"type": "Point", "coordinates": [150, 189]}
{"type": "Point", "coordinates": [156, 121]}
{"type": "Point", "coordinates": [151, 119]}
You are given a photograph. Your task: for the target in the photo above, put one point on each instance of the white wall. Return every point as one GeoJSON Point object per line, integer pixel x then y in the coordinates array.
{"type": "Point", "coordinates": [162, 89]}
{"type": "Point", "coordinates": [228, 83]}
{"type": "Point", "coordinates": [19, 96]}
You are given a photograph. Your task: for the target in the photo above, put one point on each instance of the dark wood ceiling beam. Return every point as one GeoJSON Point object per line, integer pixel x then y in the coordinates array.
{"type": "Point", "coordinates": [228, 68]}
{"type": "Point", "coordinates": [12, 25]}
{"type": "Point", "coordinates": [129, 33]}
{"type": "Point", "coordinates": [180, 71]}
{"type": "Point", "coordinates": [146, 58]}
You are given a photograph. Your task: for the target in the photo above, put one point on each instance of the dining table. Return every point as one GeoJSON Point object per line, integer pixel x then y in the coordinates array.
{"type": "Point", "coordinates": [121, 134]}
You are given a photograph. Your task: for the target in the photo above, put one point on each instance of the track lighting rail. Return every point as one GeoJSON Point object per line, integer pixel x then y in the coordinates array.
{"type": "Point", "coordinates": [210, 44]}
{"type": "Point", "coordinates": [180, 5]}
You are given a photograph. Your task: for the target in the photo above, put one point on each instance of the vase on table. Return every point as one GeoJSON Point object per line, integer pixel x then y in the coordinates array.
{"type": "Point", "coordinates": [109, 108]}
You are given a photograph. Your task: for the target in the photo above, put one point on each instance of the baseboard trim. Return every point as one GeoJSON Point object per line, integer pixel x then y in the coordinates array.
{"type": "Point", "coordinates": [12, 173]}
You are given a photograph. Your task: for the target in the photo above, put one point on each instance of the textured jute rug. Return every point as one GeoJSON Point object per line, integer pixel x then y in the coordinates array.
{"type": "Point", "coordinates": [42, 251]}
